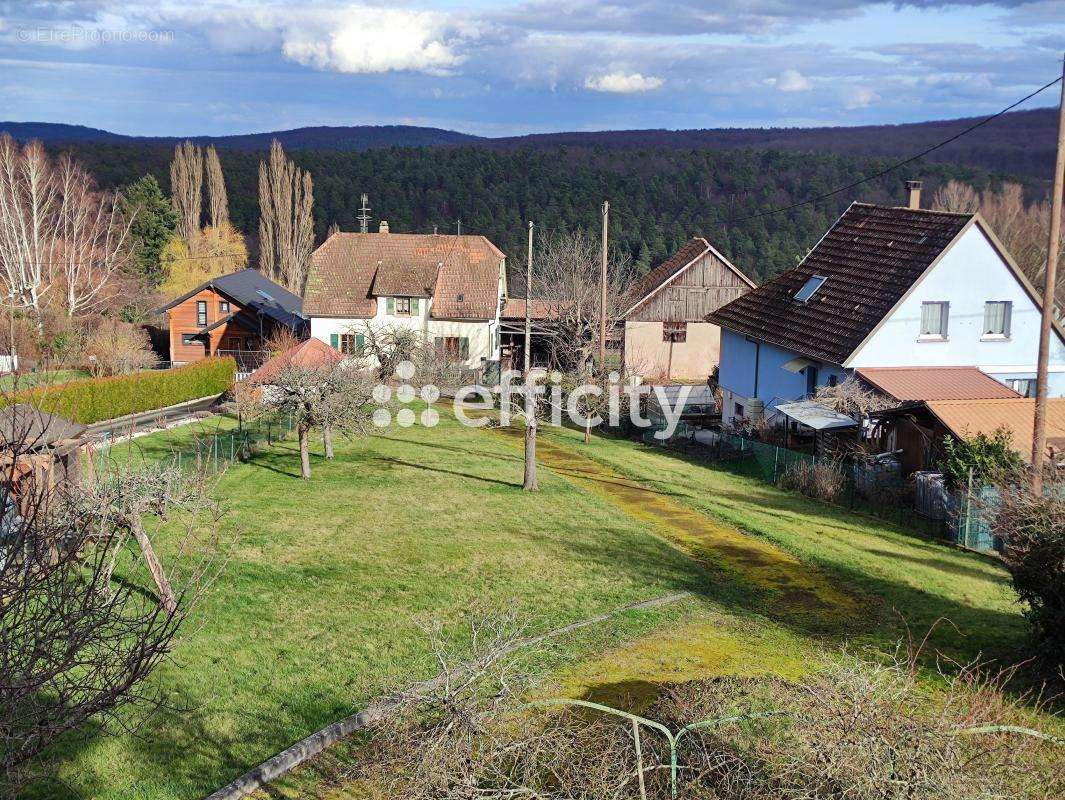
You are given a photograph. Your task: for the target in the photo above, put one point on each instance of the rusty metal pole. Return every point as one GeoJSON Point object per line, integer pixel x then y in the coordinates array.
{"type": "Point", "coordinates": [1039, 428]}
{"type": "Point", "coordinates": [602, 293]}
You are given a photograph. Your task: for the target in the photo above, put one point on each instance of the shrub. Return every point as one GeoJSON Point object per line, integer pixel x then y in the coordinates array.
{"type": "Point", "coordinates": [97, 399]}
{"type": "Point", "coordinates": [823, 480]}
{"type": "Point", "coordinates": [989, 456]}
{"type": "Point", "coordinates": [117, 348]}
{"type": "Point", "coordinates": [1032, 530]}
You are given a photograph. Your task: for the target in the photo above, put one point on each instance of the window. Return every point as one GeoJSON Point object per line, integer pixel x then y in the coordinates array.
{"type": "Point", "coordinates": [674, 331]}
{"type": "Point", "coordinates": [350, 344]}
{"type": "Point", "coordinates": [814, 283]}
{"type": "Point", "coordinates": [250, 343]}
{"type": "Point", "coordinates": [403, 306]}
{"type": "Point", "coordinates": [739, 410]}
{"type": "Point", "coordinates": [832, 380]}
{"type": "Point", "coordinates": [1025, 387]}
{"type": "Point", "coordinates": [453, 348]}
{"type": "Point", "coordinates": [223, 306]}
{"type": "Point", "coordinates": [997, 315]}
{"type": "Point", "coordinates": [190, 340]}
{"type": "Point", "coordinates": [201, 312]}
{"type": "Point", "coordinates": [934, 320]}
{"type": "Point", "coordinates": [233, 343]}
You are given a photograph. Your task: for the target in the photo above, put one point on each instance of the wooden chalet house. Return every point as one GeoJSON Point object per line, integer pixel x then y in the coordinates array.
{"type": "Point", "coordinates": [232, 315]}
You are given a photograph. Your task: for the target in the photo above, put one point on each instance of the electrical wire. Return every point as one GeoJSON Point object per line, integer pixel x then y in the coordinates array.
{"type": "Point", "coordinates": [897, 164]}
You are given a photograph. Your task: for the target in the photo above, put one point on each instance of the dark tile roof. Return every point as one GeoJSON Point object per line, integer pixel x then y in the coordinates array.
{"type": "Point", "coordinates": [256, 293]}
{"type": "Point", "coordinates": [349, 269]}
{"type": "Point", "coordinates": [871, 257]}
{"type": "Point", "coordinates": [28, 428]}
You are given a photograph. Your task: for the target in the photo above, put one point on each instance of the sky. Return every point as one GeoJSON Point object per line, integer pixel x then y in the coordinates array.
{"type": "Point", "coordinates": [526, 66]}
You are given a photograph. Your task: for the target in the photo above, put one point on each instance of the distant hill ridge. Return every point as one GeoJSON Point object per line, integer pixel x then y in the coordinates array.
{"type": "Point", "coordinates": [1021, 142]}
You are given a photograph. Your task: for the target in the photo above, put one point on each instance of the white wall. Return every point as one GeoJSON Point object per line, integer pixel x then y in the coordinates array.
{"type": "Point", "coordinates": [480, 333]}
{"type": "Point", "coordinates": [969, 274]}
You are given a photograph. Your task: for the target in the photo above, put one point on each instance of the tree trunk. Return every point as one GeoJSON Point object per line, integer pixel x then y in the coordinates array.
{"type": "Point", "coordinates": [166, 594]}
{"type": "Point", "coordinates": [327, 439]}
{"type": "Point", "coordinates": [587, 431]}
{"type": "Point", "coordinates": [530, 484]}
{"type": "Point", "coordinates": [305, 454]}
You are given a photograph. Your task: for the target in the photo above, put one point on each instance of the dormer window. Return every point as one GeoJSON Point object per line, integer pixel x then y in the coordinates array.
{"type": "Point", "coordinates": [814, 283]}
{"type": "Point", "coordinates": [403, 306]}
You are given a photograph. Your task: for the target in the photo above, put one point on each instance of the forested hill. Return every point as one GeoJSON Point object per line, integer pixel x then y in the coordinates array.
{"type": "Point", "coordinates": [659, 198]}
{"type": "Point", "coordinates": [1020, 143]}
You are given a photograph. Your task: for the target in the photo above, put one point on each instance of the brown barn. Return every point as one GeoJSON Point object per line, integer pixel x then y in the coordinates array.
{"type": "Point", "coordinates": [232, 315]}
{"type": "Point", "coordinates": [666, 335]}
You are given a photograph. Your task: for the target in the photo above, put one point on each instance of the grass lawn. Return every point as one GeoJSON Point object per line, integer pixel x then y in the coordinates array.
{"type": "Point", "coordinates": [319, 606]}
{"type": "Point", "coordinates": [27, 380]}
{"type": "Point", "coordinates": [166, 443]}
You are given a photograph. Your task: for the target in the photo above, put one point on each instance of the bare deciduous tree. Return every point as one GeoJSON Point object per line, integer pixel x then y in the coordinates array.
{"type": "Point", "coordinates": [186, 188]}
{"type": "Point", "coordinates": [332, 397]}
{"type": "Point", "coordinates": [567, 280]}
{"type": "Point", "coordinates": [80, 631]}
{"type": "Point", "coordinates": [286, 222]}
{"type": "Point", "coordinates": [217, 199]}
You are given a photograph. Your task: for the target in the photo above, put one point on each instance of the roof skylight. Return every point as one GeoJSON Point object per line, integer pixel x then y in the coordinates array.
{"type": "Point", "coordinates": [814, 283]}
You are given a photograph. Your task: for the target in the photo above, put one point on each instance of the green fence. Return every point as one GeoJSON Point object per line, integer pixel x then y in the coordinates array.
{"type": "Point", "coordinates": [864, 489]}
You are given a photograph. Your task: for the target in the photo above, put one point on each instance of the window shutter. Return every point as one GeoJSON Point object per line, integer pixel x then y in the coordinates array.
{"type": "Point", "coordinates": [334, 341]}
{"type": "Point", "coordinates": [360, 343]}
{"type": "Point", "coordinates": [391, 305]}
{"type": "Point", "coordinates": [464, 348]}
{"type": "Point", "coordinates": [414, 305]}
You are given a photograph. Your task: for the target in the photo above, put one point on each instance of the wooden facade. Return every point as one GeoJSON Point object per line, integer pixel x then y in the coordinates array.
{"type": "Point", "coordinates": [188, 319]}
{"type": "Point", "coordinates": [699, 290]}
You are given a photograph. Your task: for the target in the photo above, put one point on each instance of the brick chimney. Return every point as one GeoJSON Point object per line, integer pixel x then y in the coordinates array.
{"type": "Point", "coordinates": [384, 226]}
{"type": "Point", "coordinates": [913, 192]}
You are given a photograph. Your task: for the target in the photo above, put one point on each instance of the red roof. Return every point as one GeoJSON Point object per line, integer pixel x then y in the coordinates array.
{"type": "Point", "coordinates": [515, 309]}
{"type": "Point", "coordinates": [312, 354]}
{"type": "Point", "coordinates": [935, 383]}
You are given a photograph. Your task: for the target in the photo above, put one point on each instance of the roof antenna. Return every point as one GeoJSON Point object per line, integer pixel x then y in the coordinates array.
{"type": "Point", "coordinates": [364, 215]}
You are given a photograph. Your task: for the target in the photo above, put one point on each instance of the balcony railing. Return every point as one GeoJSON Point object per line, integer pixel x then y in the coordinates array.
{"type": "Point", "coordinates": [247, 360]}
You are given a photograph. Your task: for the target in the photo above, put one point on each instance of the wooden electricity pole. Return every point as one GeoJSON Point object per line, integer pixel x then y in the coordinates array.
{"type": "Point", "coordinates": [602, 293]}
{"type": "Point", "coordinates": [1039, 429]}
{"type": "Point", "coordinates": [528, 302]}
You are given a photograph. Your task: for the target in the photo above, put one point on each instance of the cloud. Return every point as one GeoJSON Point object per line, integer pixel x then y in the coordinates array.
{"type": "Point", "coordinates": [791, 80]}
{"type": "Point", "coordinates": [620, 83]}
{"type": "Point", "coordinates": [378, 40]}
{"type": "Point", "coordinates": [859, 97]}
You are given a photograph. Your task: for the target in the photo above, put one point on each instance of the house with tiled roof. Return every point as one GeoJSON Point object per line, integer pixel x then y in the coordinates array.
{"type": "Point", "coordinates": [885, 287]}
{"type": "Point", "coordinates": [666, 333]}
{"type": "Point", "coordinates": [449, 288]}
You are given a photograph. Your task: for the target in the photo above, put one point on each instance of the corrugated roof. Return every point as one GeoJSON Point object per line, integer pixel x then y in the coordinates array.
{"type": "Point", "coordinates": [969, 417]}
{"type": "Point", "coordinates": [346, 272]}
{"type": "Point", "coordinates": [871, 256]}
{"type": "Point", "coordinates": [935, 383]}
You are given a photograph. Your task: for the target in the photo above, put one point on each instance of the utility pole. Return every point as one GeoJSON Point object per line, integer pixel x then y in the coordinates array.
{"type": "Point", "coordinates": [458, 223]}
{"type": "Point", "coordinates": [602, 293]}
{"type": "Point", "coordinates": [528, 302]}
{"type": "Point", "coordinates": [1039, 429]}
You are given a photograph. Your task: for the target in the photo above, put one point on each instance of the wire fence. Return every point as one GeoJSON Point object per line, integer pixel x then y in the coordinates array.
{"type": "Point", "coordinates": [961, 517]}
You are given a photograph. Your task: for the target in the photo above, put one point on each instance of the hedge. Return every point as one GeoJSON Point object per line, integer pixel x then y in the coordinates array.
{"type": "Point", "coordinates": [97, 399]}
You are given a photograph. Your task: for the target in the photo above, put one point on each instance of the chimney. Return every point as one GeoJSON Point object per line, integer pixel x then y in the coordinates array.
{"type": "Point", "coordinates": [913, 191]}
{"type": "Point", "coordinates": [384, 226]}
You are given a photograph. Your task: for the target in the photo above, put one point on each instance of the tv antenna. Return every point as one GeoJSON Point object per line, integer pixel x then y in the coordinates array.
{"type": "Point", "coordinates": [364, 215]}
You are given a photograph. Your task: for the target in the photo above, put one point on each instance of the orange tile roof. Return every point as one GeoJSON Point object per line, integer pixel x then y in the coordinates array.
{"type": "Point", "coordinates": [312, 353]}
{"type": "Point", "coordinates": [350, 269]}
{"type": "Point", "coordinates": [970, 417]}
{"type": "Point", "coordinates": [515, 309]}
{"type": "Point", "coordinates": [935, 383]}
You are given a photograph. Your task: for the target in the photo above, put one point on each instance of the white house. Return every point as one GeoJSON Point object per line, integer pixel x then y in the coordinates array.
{"type": "Point", "coordinates": [450, 288]}
{"type": "Point", "coordinates": [886, 287]}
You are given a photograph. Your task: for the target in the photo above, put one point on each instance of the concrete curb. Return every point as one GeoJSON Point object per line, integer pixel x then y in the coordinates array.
{"type": "Point", "coordinates": [307, 748]}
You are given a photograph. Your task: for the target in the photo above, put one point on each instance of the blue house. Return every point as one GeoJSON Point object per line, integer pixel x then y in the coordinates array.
{"type": "Point", "coordinates": [885, 287]}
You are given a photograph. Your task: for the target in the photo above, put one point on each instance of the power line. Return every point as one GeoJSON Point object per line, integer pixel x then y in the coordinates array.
{"type": "Point", "coordinates": [897, 164]}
